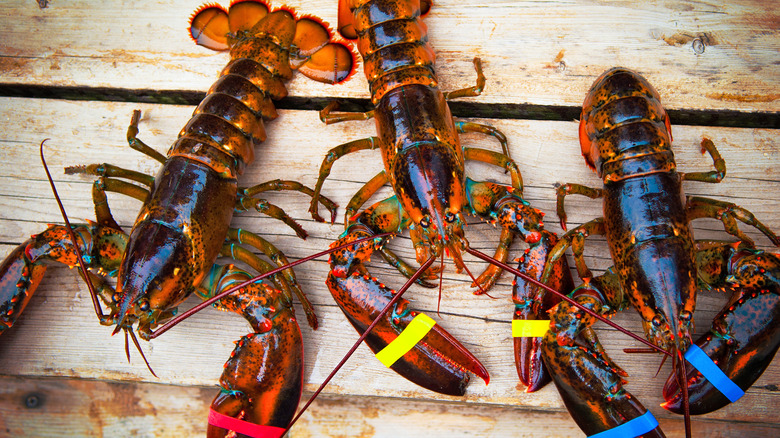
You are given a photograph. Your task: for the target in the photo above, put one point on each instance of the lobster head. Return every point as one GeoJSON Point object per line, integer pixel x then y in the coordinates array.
{"type": "Point", "coordinates": [429, 185]}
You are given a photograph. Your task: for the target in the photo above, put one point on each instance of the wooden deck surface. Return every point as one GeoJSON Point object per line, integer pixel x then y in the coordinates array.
{"type": "Point", "coordinates": [63, 375]}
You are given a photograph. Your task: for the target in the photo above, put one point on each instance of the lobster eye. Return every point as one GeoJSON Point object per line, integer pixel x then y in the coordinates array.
{"type": "Point", "coordinates": [449, 217]}
{"type": "Point", "coordinates": [115, 297]}
{"type": "Point", "coordinates": [685, 316]}
{"type": "Point", "coordinates": [425, 222]}
{"type": "Point", "coordinates": [144, 306]}
{"type": "Point", "coordinates": [656, 321]}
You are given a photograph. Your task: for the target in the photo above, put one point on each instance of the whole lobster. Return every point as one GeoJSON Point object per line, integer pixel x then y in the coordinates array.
{"type": "Point", "coordinates": [184, 223]}
{"type": "Point", "coordinates": [424, 164]}
{"type": "Point", "coordinates": [626, 137]}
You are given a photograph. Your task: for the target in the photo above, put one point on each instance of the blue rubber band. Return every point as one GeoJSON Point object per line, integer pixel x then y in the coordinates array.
{"type": "Point", "coordinates": [632, 428]}
{"type": "Point", "coordinates": [713, 374]}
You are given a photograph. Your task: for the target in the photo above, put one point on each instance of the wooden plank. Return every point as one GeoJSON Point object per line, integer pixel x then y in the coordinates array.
{"type": "Point", "coordinates": [119, 409]}
{"type": "Point", "coordinates": [58, 335]}
{"type": "Point", "coordinates": [535, 52]}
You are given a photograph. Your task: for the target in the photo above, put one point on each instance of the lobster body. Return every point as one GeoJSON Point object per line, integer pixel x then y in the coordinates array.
{"type": "Point", "coordinates": [424, 163]}
{"type": "Point", "coordinates": [625, 136]}
{"type": "Point", "coordinates": [644, 212]}
{"type": "Point", "coordinates": [182, 225]}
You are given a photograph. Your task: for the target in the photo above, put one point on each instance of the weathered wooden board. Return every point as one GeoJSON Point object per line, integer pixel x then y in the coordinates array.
{"type": "Point", "coordinates": [59, 336]}
{"type": "Point", "coordinates": [147, 410]}
{"type": "Point", "coordinates": [699, 55]}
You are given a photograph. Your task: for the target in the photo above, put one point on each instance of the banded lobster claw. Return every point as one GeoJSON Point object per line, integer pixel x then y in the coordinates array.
{"type": "Point", "coordinates": [745, 335]}
{"type": "Point", "coordinates": [261, 384]}
{"type": "Point", "coordinates": [533, 303]}
{"type": "Point", "coordinates": [590, 383]}
{"type": "Point", "coordinates": [437, 362]}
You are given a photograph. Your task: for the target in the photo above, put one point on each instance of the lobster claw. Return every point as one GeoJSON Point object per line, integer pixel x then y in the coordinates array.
{"type": "Point", "coordinates": [531, 303]}
{"type": "Point", "coordinates": [261, 384]}
{"type": "Point", "coordinates": [437, 362]}
{"type": "Point", "coordinates": [263, 379]}
{"type": "Point", "coordinates": [590, 384]}
{"type": "Point", "coordinates": [19, 278]}
{"type": "Point", "coordinates": [743, 339]}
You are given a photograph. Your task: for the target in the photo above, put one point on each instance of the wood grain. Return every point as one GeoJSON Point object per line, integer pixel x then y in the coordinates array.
{"type": "Point", "coordinates": [699, 55]}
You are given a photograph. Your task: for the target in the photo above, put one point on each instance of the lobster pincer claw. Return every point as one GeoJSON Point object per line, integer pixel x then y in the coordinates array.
{"type": "Point", "coordinates": [590, 384]}
{"type": "Point", "coordinates": [532, 304]}
{"type": "Point", "coordinates": [437, 362]}
{"type": "Point", "coordinates": [261, 383]}
{"type": "Point", "coordinates": [741, 344]}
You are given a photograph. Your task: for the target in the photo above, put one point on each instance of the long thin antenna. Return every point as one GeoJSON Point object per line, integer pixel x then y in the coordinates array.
{"type": "Point", "coordinates": [564, 297]}
{"type": "Point", "coordinates": [72, 235]}
{"type": "Point", "coordinates": [179, 318]}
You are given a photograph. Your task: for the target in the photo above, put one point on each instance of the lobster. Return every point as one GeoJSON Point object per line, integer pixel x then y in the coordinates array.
{"type": "Point", "coordinates": [183, 225]}
{"type": "Point", "coordinates": [424, 164]}
{"type": "Point", "coordinates": [658, 269]}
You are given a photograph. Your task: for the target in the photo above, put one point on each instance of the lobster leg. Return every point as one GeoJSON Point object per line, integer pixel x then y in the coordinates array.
{"type": "Point", "coordinates": [567, 189]}
{"type": "Point", "coordinates": [278, 185]}
{"type": "Point", "coordinates": [464, 127]}
{"type": "Point", "coordinates": [728, 213]}
{"type": "Point", "coordinates": [472, 91]}
{"type": "Point", "coordinates": [137, 144]}
{"type": "Point", "coordinates": [437, 362]}
{"type": "Point", "coordinates": [713, 176]}
{"type": "Point", "coordinates": [327, 163]}
{"type": "Point", "coordinates": [328, 115]}
{"type": "Point", "coordinates": [745, 334]}
{"type": "Point", "coordinates": [500, 160]}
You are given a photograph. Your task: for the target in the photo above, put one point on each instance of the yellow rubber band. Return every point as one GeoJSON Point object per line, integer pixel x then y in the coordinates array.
{"type": "Point", "coordinates": [409, 337]}
{"type": "Point", "coordinates": [530, 328]}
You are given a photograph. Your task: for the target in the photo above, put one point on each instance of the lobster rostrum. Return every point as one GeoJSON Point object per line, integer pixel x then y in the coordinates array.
{"type": "Point", "coordinates": [626, 137]}
{"type": "Point", "coordinates": [424, 164]}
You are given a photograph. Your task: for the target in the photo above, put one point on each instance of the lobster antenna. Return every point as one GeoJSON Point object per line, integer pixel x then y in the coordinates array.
{"type": "Point", "coordinates": [441, 280]}
{"type": "Point", "coordinates": [138, 347]}
{"type": "Point", "coordinates": [683, 381]}
{"type": "Point", "coordinates": [72, 235]}
{"type": "Point", "coordinates": [365, 334]}
{"type": "Point", "coordinates": [564, 297]}
{"type": "Point", "coordinates": [181, 317]}
{"type": "Point", "coordinates": [83, 267]}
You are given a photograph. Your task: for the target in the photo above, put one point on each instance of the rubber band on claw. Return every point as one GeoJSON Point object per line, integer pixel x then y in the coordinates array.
{"type": "Point", "coordinates": [244, 427]}
{"type": "Point", "coordinates": [530, 328]}
{"type": "Point", "coordinates": [409, 337]}
{"type": "Point", "coordinates": [713, 374]}
{"type": "Point", "coordinates": [635, 427]}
